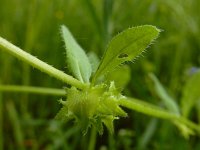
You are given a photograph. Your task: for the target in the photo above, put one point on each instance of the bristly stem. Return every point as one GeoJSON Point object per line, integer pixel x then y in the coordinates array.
{"type": "Point", "coordinates": [152, 110]}
{"type": "Point", "coordinates": [33, 90]}
{"type": "Point", "coordinates": [42, 66]}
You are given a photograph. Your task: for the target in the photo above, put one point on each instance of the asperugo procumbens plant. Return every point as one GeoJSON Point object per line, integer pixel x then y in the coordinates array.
{"type": "Point", "coordinates": [92, 100]}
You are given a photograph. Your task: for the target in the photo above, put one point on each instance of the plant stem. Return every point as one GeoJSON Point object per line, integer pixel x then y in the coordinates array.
{"type": "Point", "coordinates": [1, 123]}
{"type": "Point", "coordinates": [32, 89]}
{"type": "Point", "coordinates": [92, 141]}
{"type": "Point", "coordinates": [42, 66]}
{"type": "Point", "coordinates": [152, 110]}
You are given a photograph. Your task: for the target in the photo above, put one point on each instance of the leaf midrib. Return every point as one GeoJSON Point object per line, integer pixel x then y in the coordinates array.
{"type": "Point", "coordinates": [127, 45]}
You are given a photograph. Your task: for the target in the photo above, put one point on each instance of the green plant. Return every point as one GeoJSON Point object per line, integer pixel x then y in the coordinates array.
{"type": "Point", "coordinates": [171, 104]}
{"type": "Point", "coordinates": [93, 99]}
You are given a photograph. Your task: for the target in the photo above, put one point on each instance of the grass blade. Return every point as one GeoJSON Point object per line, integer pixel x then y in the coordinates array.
{"type": "Point", "coordinates": [13, 115]}
{"type": "Point", "coordinates": [164, 96]}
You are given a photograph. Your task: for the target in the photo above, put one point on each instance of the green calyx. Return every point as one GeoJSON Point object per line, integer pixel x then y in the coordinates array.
{"type": "Point", "coordinates": [95, 106]}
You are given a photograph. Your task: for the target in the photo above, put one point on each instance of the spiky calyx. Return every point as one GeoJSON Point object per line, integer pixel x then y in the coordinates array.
{"type": "Point", "coordinates": [92, 107]}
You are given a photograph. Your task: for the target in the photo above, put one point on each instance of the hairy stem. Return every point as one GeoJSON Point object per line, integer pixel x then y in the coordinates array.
{"type": "Point", "coordinates": [152, 110]}
{"type": "Point", "coordinates": [42, 66]}
{"type": "Point", "coordinates": [31, 89]}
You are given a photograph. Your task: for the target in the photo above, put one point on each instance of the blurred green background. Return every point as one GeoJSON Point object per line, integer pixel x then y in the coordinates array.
{"type": "Point", "coordinates": [27, 121]}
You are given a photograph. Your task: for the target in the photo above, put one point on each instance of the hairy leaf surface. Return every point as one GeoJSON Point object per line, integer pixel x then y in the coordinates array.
{"type": "Point", "coordinates": [76, 58]}
{"type": "Point", "coordinates": [126, 46]}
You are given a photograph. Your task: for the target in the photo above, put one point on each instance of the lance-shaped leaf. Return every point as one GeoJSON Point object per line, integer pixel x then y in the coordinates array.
{"type": "Point", "coordinates": [126, 46]}
{"type": "Point", "coordinates": [77, 60]}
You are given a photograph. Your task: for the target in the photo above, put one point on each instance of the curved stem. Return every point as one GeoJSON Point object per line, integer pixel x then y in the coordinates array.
{"type": "Point", "coordinates": [152, 110]}
{"type": "Point", "coordinates": [42, 66]}
{"type": "Point", "coordinates": [31, 89]}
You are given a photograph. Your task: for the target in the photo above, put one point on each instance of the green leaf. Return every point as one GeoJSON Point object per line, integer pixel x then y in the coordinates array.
{"type": "Point", "coordinates": [168, 101]}
{"type": "Point", "coordinates": [121, 77]}
{"type": "Point", "coordinates": [171, 105]}
{"type": "Point", "coordinates": [126, 46]}
{"type": "Point", "coordinates": [76, 58]}
{"type": "Point", "coordinates": [191, 94]}
{"type": "Point", "coordinates": [94, 61]}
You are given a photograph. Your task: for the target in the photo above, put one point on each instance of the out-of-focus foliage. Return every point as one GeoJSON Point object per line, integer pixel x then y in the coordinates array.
{"type": "Point", "coordinates": [191, 94]}
{"type": "Point", "coordinates": [26, 121]}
